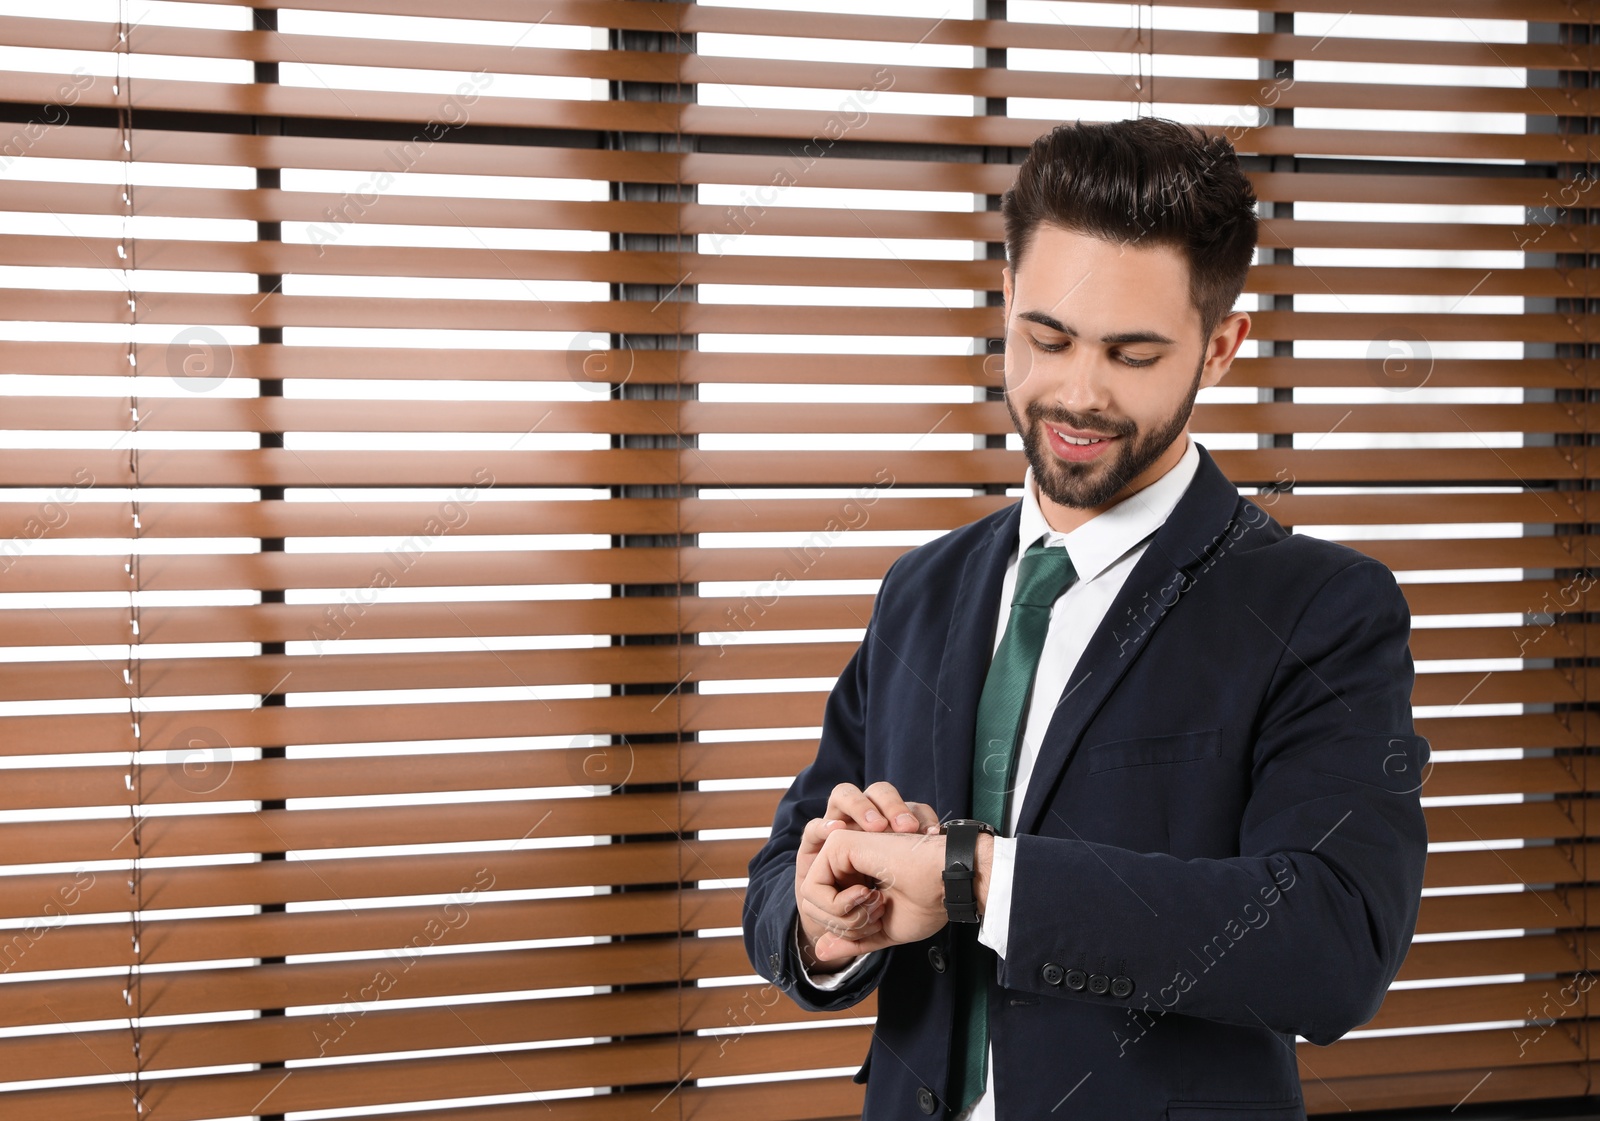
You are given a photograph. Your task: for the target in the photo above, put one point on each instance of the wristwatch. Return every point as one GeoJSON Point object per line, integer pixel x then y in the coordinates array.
{"type": "Point", "coordinates": [961, 867]}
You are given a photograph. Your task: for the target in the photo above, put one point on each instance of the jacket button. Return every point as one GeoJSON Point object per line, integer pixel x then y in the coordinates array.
{"type": "Point", "coordinates": [936, 958]}
{"type": "Point", "coordinates": [1076, 979]}
{"type": "Point", "coordinates": [773, 961]}
{"type": "Point", "coordinates": [925, 1100]}
{"type": "Point", "coordinates": [1099, 983]}
{"type": "Point", "coordinates": [1121, 987]}
{"type": "Point", "coordinates": [1052, 973]}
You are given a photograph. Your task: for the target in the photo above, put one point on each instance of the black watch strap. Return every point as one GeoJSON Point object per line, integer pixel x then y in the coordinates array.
{"type": "Point", "coordinates": [961, 867]}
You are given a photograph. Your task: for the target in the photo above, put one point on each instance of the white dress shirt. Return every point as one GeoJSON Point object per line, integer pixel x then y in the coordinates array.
{"type": "Point", "coordinates": [1103, 551]}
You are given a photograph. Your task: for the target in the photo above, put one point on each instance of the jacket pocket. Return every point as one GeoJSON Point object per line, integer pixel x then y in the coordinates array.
{"type": "Point", "coordinates": [1179, 747]}
{"type": "Point", "coordinates": [1283, 1110]}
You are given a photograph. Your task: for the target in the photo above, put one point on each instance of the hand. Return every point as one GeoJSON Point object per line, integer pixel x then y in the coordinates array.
{"type": "Point", "coordinates": [870, 891]}
{"type": "Point", "coordinates": [876, 809]}
{"type": "Point", "coordinates": [860, 908]}
{"type": "Point", "coordinates": [879, 808]}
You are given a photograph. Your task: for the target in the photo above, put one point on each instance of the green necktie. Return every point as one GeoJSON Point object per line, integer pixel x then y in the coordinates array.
{"type": "Point", "coordinates": [1042, 576]}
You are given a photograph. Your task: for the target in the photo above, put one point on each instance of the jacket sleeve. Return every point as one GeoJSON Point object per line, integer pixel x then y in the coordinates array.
{"type": "Point", "coordinates": [1303, 931]}
{"type": "Point", "coordinates": [770, 912]}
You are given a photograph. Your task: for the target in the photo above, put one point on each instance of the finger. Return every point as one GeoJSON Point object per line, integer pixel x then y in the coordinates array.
{"type": "Point", "coordinates": [847, 940]}
{"type": "Point", "coordinates": [865, 923]}
{"type": "Point", "coordinates": [927, 817]}
{"type": "Point", "coordinates": [894, 808]}
{"type": "Point", "coordinates": [836, 879]}
{"type": "Point", "coordinates": [851, 805]}
{"type": "Point", "coordinates": [832, 890]}
{"type": "Point", "coordinates": [828, 947]}
{"type": "Point", "coordinates": [834, 940]}
{"type": "Point", "coordinates": [827, 902]}
{"type": "Point", "coordinates": [860, 921]}
{"type": "Point", "coordinates": [816, 833]}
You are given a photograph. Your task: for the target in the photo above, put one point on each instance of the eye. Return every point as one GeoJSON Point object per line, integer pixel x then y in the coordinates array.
{"type": "Point", "coordinates": [1046, 347]}
{"type": "Point", "coordinates": [1126, 361]}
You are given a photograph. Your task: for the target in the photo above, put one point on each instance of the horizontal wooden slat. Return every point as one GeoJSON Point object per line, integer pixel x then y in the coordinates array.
{"type": "Point", "coordinates": [327, 723]}
{"type": "Point", "coordinates": [633, 716]}
{"type": "Point", "coordinates": [508, 1072]}
{"type": "Point", "coordinates": [699, 367]}
{"type": "Point", "coordinates": [75, 842]}
{"type": "Point", "coordinates": [461, 669]}
{"type": "Point", "coordinates": [452, 971]}
{"type": "Point", "coordinates": [1478, 1086]}
{"type": "Point", "coordinates": [326, 668]}
{"type": "Point", "coordinates": [76, 142]}
{"type": "Point", "coordinates": [1466, 1050]}
{"type": "Point", "coordinates": [1480, 957]}
{"type": "Point", "coordinates": [999, 33]}
{"type": "Point", "coordinates": [824, 1099]}
{"type": "Point", "coordinates": [160, 94]}
{"type": "Point", "coordinates": [1465, 467]}
{"type": "Point", "coordinates": [281, 830]}
{"type": "Point", "coordinates": [1549, 775]}
{"type": "Point", "coordinates": [256, 414]}
{"type": "Point", "coordinates": [352, 879]}
{"type": "Point", "coordinates": [204, 767]}
{"type": "Point", "coordinates": [1472, 1004]}
{"type": "Point", "coordinates": [331, 213]}
{"type": "Point", "coordinates": [80, 512]}
{"type": "Point", "coordinates": [45, 897]}
{"type": "Point", "coordinates": [663, 316]}
{"type": "Point", "coordinates": [371, 1029]}
{"type": "Point", "coordinates": [195, 991]}
{"type": "Point", "coordinates": [375, 931]}
{"type": "Point", "coordinates": [671, 269]}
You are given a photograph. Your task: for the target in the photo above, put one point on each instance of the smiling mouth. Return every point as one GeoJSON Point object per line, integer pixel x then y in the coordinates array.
{"type": "Point", "coordinates": [1078, 440]}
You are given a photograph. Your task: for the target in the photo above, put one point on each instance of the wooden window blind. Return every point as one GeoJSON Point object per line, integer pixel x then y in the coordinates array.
{"type": "Point", "coordinates": [449, 450]}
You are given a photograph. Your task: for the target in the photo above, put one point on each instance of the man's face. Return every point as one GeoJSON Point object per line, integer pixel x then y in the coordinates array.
{"type": "Point", "coordinates": [1103, 341]}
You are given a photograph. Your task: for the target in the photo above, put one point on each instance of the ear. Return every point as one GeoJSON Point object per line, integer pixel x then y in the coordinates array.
{"type": "Point", "coordinates": [1223, 345]}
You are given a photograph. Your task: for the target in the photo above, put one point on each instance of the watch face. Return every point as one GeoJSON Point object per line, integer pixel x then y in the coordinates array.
{"type": "Point", "coordinates": [982, 826]}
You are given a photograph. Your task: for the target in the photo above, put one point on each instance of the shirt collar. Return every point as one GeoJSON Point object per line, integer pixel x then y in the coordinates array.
{"type": "Point", "coordinates": [1096, 544]}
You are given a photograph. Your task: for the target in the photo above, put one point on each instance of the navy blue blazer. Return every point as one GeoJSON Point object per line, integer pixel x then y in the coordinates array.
{"type": "Point", "coordinates": [1221, 846]}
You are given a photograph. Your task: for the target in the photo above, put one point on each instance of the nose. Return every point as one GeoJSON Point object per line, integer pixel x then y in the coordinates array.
{"type": "Point", "coordinates": [1077, 384]}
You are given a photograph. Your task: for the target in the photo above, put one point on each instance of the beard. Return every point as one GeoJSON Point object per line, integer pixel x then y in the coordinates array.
{"type": "Point", "coordinates": [1088, 485]}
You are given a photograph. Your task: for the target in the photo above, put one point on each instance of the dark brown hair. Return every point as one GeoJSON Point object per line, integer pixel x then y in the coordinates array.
{"type": "Point", "coordinates": [1146, 179]}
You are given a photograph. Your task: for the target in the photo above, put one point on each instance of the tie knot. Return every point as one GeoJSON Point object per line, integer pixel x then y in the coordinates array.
{"type": "Point", "coordinates": [1044, 573]}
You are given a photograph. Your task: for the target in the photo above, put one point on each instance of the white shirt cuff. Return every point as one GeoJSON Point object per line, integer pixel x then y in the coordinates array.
{"type": "Point", "coordinates": [995, 926]}
{"type": "Point", "coordinates": [825, 981]}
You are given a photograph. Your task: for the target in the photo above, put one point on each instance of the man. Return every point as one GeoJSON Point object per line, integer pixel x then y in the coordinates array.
{"type": "Point", "coordinates": [1188, 729]}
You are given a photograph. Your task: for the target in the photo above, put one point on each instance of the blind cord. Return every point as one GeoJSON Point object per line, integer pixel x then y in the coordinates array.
{"type": "Point", "coordinates": [132, 992]}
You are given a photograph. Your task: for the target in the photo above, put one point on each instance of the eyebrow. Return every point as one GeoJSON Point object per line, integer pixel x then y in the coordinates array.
{"type": "Point", "coordinates": [1045, 319]}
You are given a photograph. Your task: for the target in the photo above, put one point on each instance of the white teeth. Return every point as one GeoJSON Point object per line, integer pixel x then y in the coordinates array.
{"type": "Point", "coordinates": [1077, 439]}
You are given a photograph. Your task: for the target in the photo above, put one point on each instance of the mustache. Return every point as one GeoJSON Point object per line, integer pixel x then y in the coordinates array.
{"type": "Point", "coordinates": [1068, 422]}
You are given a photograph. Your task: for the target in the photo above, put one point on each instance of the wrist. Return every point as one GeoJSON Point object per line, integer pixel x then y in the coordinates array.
{"type": "Point", "coordinates": [965, 868]}
{"type": "Point", "coordinates": [984, 871]}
